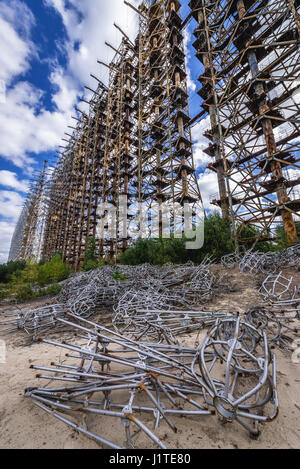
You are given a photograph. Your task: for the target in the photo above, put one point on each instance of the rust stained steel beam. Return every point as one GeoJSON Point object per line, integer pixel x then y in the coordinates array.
{"type": "Point", "coordinates": [134, 140]}
{"type": "Point", "coordinates": [249, 53]}
{"type": "Point", "coordinates": [30, 229]}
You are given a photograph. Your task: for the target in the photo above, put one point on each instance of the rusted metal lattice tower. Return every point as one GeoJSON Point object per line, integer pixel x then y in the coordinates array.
{"type": "Point", "coordinates": [165, 143]}
{"type": "Point", "coordinates": [134, 142]}
{"type": "Point", "coordinates": [120, 143]}
{"type": "Point", "coordinates": [250, 86]}
{"type": "Point", "coordinates": [28, 236]}
{"type": "Point", "coordinates": [76, 184]}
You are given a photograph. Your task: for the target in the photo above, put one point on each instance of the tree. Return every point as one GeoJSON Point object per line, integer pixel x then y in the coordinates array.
{"type": "Point", "coordinates": [8, 270]}
{"type": "Point", "coordinates": [217, 239]}
{"type": "Point", "coordinates": [90, 256]}
{"type": "Point", "coordinates": [281, 237]}
{"type": "Point", "coordinates": [217, 243]}
{"type": "Point", "coordinates": [53, 271]}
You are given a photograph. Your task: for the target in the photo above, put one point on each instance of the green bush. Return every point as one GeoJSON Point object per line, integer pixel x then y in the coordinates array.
{"type": "Point", "coordinates": [90, 265]}
{"type": "Point", "coordinates": [41, 292]}
{"type": "Point", "coordinates": [25, 293]}
{"type": "Point", "coordinates": [217, 243]}
{"type": "Point", "coordinates": [52, 290]}
{"type": "Point", "coordinates": [118, 276]}
{"type": "Point", "coordinates": [90, 256]}
{"type": "Point", "coordinates": [21, 279]}
{"type": "Point", "coordinates": [217, 239]}
{"type": "Point", "coordinates": [156, 252]}
{"type": "Point", "coordinates": [8, 270]}
{"type": "Point", "coordinates": [3, 294]}
{"type": "Point", "coordinates": [137, 254]}
{"type": "Point", "coordinates": [53, 271]}
{"type": "Point", "coordinates": [247, 235]}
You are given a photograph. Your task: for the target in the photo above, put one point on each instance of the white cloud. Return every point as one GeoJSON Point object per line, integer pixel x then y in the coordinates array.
{"type": "Point", "coordinates": [208, 183]}
{"type": "Point", "coordinates": [16, 21]}
{"type": "Point", "coordinates": [10, 204]}
{"type": "Point", "coordinates": [25, 126]}
{"type": "Point", "coordinates": [10, 179]}
{"type": "Point", "coordinates": [200, 143]}
{"type": "Point", "coordinates": [23, 129]}
{"type": "Point", "coordinates": [89, 24]}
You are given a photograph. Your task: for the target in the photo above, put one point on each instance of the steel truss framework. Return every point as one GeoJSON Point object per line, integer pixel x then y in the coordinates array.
{"type": "Point", "coordinates": [250, 56]}
{"type": "Point", "coordinates": [75, 187]}
{"type": "Point", "coordinates": [28, 237]}
{"type": "Point", "coordinates": [148, 156]}
{"type": "Point", "coordinates": [135, 140]}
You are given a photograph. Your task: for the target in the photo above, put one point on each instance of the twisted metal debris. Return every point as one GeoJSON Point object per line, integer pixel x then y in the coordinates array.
{"type": "Point", "coordinates": [82, 295]}
{"type": "Point", "coordinates": [267, 263]}
{"type": "Point", "coordinates": [123, 288]}
{"type": "Point", "coordinates": [112, 377]}
{"type": "Point", "coordinates": [158, 325]}
{"type": "Point", "coordinates": [278, 289]}
{"type": "Point", "coordinates": [259, 262]}
{"type": "Point", "coordinates": [239, 352]}
{"type": "Point", "coordinates": [280, 326]}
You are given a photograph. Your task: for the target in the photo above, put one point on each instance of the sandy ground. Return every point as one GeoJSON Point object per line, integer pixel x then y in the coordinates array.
{"type": "Point", "coordinates": [24, 426]}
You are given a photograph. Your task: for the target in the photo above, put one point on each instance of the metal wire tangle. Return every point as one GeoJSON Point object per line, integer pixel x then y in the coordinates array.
{"type": "Point", "coordinates": [115, 377]}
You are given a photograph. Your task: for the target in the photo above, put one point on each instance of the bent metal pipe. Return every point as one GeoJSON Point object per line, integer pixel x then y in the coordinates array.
{"type": "Point", "coordinates": [112, 376]}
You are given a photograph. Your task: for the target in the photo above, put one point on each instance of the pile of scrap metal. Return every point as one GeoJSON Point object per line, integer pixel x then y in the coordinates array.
{"type": "Point", "coordinates": [281, 326]}
{"type": "Point", "coordinates": [280, 319]}
{"type": "Point", "coordinates": [264, 262]}
{"type": "Point", "coordinates": [280, 290]}
{"type": "Point", "coordinates": [123, 289]}
{"type": "Point", "coordinates": [116, 382]}
{"type": "Point", "coordinates": [163, 325]}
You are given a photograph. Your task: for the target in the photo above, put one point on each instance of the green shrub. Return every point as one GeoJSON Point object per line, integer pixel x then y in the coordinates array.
{"type": "Point", "coordinates": [217, 239]}
{"type": "Point", "coordinates": [53, 290]}
{"type": "Point", "coordinates": [25, 293]}
{"type": "Point", "coordinates": [8, 270]}
{"type": "Point", "coordinates": [53, 271]}
{"type": "Point", "coordinates": [118, 276]}
{"type": "Point", "coordinates": [247, 235]}
{"type": "Point", "coordinates": [28, 276]}
{"type": "Point", "coordinates": [90, 256]}
{"type": "Point", "coordinates": [90, 265]}
{"type": "Point", "coordinates": [25, 277]}
{"type": "Point", "coordinates": [137, 254]}
{"type": "Point", "coordinates": [217, 243]}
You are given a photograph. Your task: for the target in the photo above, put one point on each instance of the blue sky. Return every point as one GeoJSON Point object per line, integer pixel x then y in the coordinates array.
{"type": "Point", "coordinates": [48, 50]}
